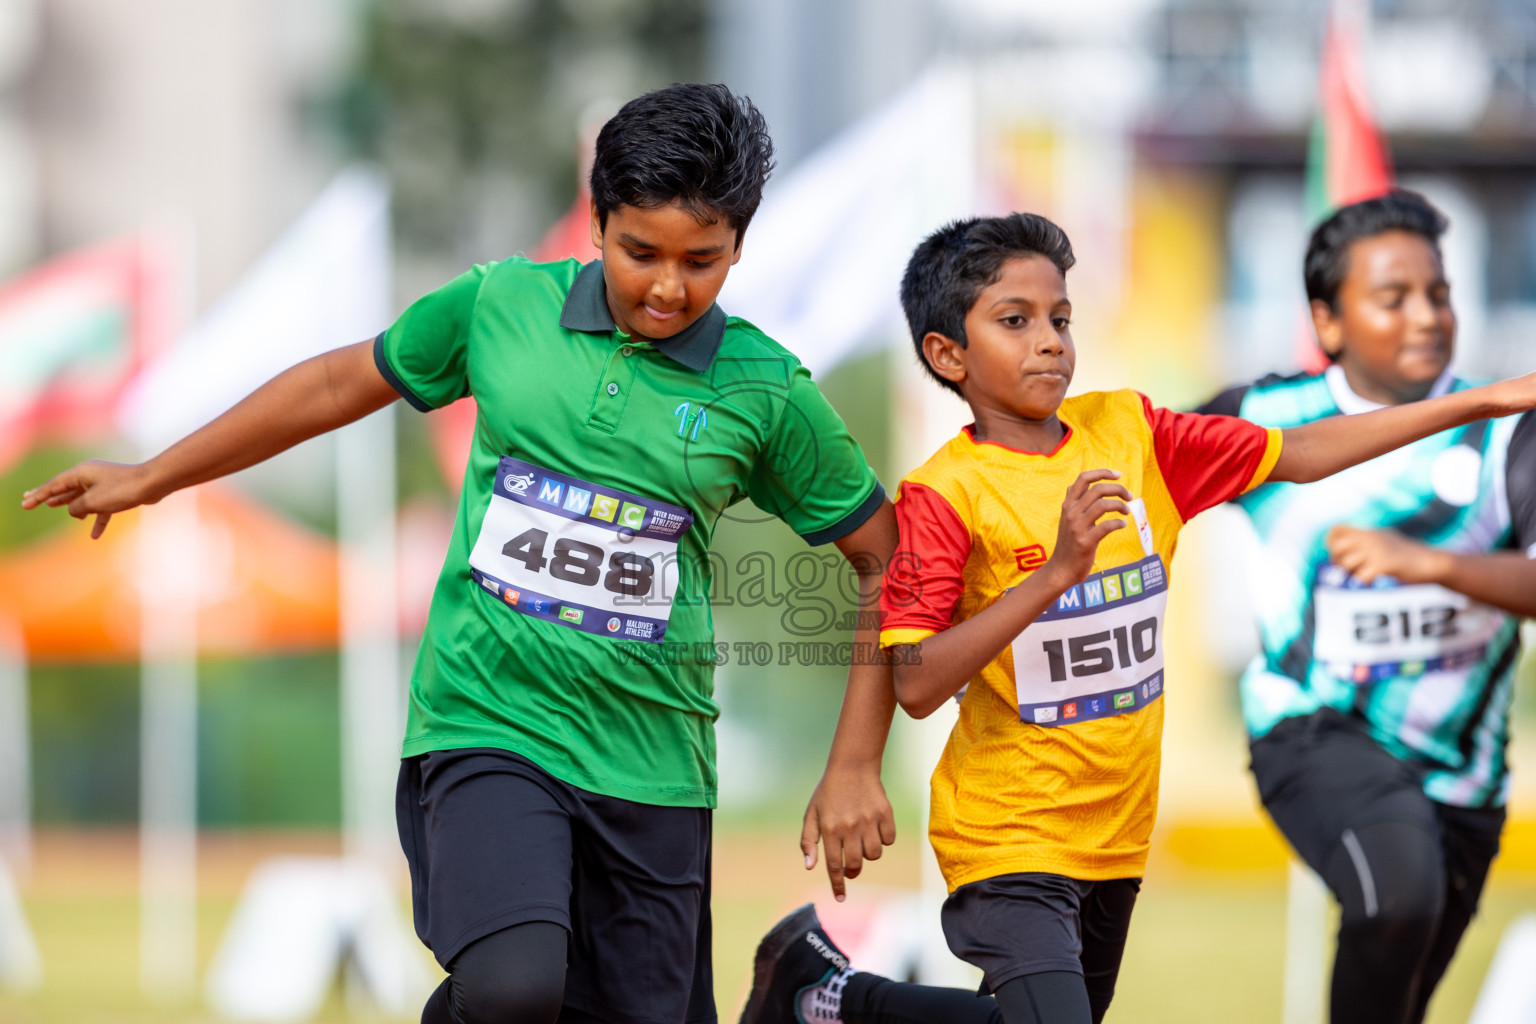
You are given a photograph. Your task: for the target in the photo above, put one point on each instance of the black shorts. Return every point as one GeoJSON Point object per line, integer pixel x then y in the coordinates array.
{"type": "Point", "coordinates": [494, 841]}
{"type": "Point", "coordinates": [1027, 923]}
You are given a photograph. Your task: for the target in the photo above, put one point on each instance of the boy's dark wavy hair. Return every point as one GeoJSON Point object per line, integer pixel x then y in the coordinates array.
{"type": "Point", "coordinates": [699, 145]}
{"type": "Point", "coordinates": [950, 268]}
{"type": "Point", "coordinates": [1327, 260]}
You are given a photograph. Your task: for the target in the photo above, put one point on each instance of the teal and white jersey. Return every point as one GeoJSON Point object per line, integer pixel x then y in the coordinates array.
{"type": "Point", "coordinates": [1429, 670]}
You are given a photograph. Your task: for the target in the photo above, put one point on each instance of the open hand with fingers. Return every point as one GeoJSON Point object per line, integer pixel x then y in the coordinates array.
{"type": "Point", "coordinates": [94, 488]}
{"type": "Point", "coordinates": [1368, 554]}
{"type": "Point", "coordinates": [851, 816]}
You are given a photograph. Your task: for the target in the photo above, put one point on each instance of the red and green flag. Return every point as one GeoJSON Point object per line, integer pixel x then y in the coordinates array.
{"type": "Point", "coordinates": [1347, 160]}
{"type": "Point", "coordinates": [72, 332]}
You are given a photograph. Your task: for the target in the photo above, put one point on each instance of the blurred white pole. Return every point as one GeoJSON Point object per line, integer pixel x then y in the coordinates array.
{"type": "Point", "coordinates": [168, 759]}
{"type": "Point", "coordinates": [1306, 925]}
{"type": "Point", "coordinates": [372, 697]}
{"type": "Point", "coordinates": [372, 722]}
{"type": "Point", "coordinates": [15, 754]}
{"type": "Point", "coordinates": [925, 417]}
{"type": "Point", "coordinates": [1509, 989]}
{"type": "Point", "coordinates": [21, 968]}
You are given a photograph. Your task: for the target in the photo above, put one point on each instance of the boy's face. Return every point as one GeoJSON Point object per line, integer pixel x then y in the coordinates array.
{"type": "Point", "coordinates": [662, 268]}
{"type": "Point", "coordinates": [1018, 359]}
{"type": "Point", "coordinates": [1394, 332]}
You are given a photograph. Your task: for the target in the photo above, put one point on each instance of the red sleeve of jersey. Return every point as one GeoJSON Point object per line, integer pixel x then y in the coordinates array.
{"type": "Point", "coordinates": [923, 582]}
{"type": "Point", "coordinates": [1206, 460]}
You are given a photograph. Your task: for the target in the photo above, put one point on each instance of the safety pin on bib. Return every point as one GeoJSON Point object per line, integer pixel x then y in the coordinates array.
{"type": "Point", "coordinates": [1138, 509]}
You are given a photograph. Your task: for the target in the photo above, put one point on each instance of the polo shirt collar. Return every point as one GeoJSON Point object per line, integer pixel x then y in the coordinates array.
{"type": "Point", "coordinates": [1351, 404]}
{"type": "Point", "coordinates": [586, 310]}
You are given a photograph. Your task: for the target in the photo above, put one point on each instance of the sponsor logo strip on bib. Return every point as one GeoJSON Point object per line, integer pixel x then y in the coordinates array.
{"type": "Point", "coordinates": [567, 613]}
{"type": "Point", "coordinates": [580, 554]}
{"type": "Point", "coordinates": [1097, 651]}
{"type": "Point", "coordinates": [590, 504]}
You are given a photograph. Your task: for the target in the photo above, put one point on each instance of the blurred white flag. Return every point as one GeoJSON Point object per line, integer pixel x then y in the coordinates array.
{"type": "Point", "coordinates": [323, 284]}
{"type": "Point", "coordinates": [823, 260]}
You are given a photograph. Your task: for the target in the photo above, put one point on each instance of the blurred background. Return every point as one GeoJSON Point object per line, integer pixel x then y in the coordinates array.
{"type": "Point", "coordinates": [199, 714]}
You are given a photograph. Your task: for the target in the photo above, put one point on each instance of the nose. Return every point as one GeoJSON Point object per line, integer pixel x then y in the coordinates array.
{"type": "Point", "coordinates": [1049, 342]}
{"type": "Point", "coordinates": [1421, 312]}
{"type": "Point", "coordinates": [667, 286]}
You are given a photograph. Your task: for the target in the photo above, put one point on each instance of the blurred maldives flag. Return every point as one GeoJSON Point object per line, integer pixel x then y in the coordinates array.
{"type": "Point", "coordinates": [72, 333]}
{"type": "Point", "coordinates": [1347, 159]}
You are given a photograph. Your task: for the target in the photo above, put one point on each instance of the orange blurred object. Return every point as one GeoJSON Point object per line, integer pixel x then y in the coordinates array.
{"type": "Point", "coordinates": [264, 586]}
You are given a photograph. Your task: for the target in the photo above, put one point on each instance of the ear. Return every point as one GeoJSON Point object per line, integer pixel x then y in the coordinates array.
{"type": "Point", "coordinates": [1329, 327]}
{"type": "Point", "coordinates": [736, 256]}
{"type": "Point", "coordinates": [945, 355]}
{"type": "Point", "coordinates": [597, 226]}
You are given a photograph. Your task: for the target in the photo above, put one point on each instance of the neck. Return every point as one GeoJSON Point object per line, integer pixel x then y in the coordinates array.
{"type": "Point", "coordinates": [1384, 392]}
{"type": "Point", "coordinates": [1019, 432]}
{"type": "Point", "coordinates": [619, 322]}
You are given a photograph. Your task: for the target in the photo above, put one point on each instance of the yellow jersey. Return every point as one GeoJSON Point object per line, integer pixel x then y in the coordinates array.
{"type": "Point", "coordinates": [1053, 765]}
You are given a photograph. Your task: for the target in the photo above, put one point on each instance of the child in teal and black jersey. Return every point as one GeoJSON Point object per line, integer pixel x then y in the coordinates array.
{"type": "Point", "coordinates": [1389, 600]}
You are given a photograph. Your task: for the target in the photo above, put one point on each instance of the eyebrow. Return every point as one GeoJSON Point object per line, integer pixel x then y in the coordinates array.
{"type": "Point", "coordinates": [1398, 284]}
{"type": "Point", "coordinates": [632, 242]}
{"type": "Point", "coordinates": [1018, 300]}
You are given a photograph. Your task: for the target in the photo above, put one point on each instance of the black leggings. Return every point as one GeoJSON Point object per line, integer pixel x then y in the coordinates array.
{"type": "Point", "coordinates": [514, 975]}
{"type": "Point", "coordinates": [1403, 906]}
{"type": "Point", "coordinates": [517, 976]}
{"type": "Point", "coordinates": [1051, 997]}
{"type": "Point", "coordinates": [1407, 872]}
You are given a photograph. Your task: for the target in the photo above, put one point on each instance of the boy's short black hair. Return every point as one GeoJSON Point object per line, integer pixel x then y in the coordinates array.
{"type": "Point", "coordinates": [950, 268]}
{"type": "Point", "coordinates": [1327, 261]}
{"type": "Point", "coordinates": [698, 145]}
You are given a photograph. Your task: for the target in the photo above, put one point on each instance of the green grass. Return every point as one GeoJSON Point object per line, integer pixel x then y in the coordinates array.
{"type": "Point", "coordinates": [1204, 947]}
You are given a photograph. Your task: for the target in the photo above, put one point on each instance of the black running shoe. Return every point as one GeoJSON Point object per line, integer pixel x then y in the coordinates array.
{"type": "Point", "coordinates": [795, 955]}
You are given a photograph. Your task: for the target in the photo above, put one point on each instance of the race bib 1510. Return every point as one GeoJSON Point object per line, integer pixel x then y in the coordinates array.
{"type": "Point", "coordinates": [1097, 651]}
{"type": "Point", "coordinates": [577, 553]}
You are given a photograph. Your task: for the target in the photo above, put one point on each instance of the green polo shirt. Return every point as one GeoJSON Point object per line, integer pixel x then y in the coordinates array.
{"type": "Point", "coordinates": [571, 621]}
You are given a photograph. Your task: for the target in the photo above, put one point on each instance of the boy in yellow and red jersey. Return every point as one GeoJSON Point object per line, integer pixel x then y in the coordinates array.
{"type": "Point", "coordinates": [1044, 799]}
{"type": "Point", "coordinates": [1050, 613]}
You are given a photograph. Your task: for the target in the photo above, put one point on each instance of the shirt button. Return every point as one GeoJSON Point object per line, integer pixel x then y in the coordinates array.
{"type": "Point", "coordinates": [628, 350]}
{"type": "Point", "coordinates": [613, 389]}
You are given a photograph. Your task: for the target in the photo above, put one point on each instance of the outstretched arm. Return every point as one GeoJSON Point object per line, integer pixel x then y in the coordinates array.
{"type": "Point", "coordinates": [946, 661]}
{"type": "Point", "coordinates": [318, 395]}
{"type": "Point", "coordinates": [1324, 447]}
{"type": "Point", "coordinates": [849, 812]}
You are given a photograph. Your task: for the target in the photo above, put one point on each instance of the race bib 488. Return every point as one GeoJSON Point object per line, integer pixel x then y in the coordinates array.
{"type": "Point", "coordinates": [573, 552]}
{"type": "Point", "coordinates": [1097, 651]}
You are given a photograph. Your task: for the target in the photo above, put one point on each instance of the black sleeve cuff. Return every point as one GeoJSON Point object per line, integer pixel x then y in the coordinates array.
{"type": "Point", "coordinates": [395, 382]}
{"type": "Point", "coordinates": [1520, 481]}
{"type": "Point", "coordinates": [852, 521]}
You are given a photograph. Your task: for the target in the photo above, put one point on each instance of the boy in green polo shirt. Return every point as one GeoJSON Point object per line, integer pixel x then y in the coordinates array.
{"type": "Point", "coordinates": [558, 764]}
